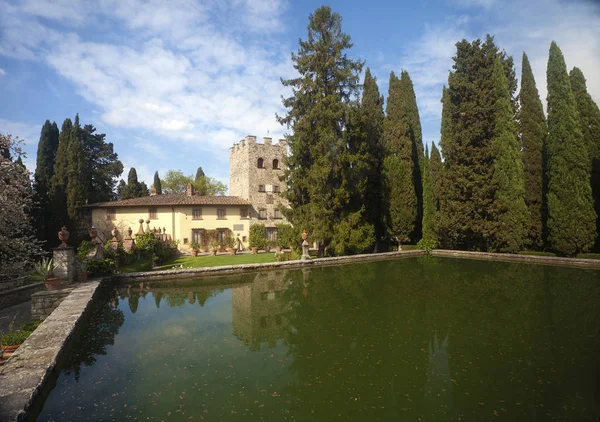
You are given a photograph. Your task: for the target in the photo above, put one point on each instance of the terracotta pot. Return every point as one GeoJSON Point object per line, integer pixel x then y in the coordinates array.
{"type": "Point", "coordinates": [194, 252]}
{"type": "Point", "coordinates": [278, 249]}
{"type": "Point", "coordinates": [52, 283]}
{"type": "Point", "coordinates": [83, 276]}
{"type": "Point", "coordinates": [254, 250]}
{"type": "Point", "coordinates": [268, 249]}
{"type": "Point", "coordinates": [10, 348]}
{"type": "Point", "coordinates": [232, 251]}
{"type": "Point", "coordinates": [213, 253]}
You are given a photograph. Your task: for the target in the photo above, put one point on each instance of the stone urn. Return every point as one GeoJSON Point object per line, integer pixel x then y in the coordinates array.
{"type": "Point", "coordinates": [93, 234]}
{"type": "Point", "coordinates": [304, 235]}
{"type": "Point", "coordinates": [129, 232]}
{"type": "Point", "coordinates": [63, 236]}
{"type": "Point", "coordinates": [114, 233]}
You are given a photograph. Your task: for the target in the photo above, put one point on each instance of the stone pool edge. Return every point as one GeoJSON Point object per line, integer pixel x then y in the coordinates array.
{"type": "Point", "coordinates": [225, 269]}
{"type": "Point", "coordinates": [28, 369]}
{"type": "Point", "coordinates": [530, 259]}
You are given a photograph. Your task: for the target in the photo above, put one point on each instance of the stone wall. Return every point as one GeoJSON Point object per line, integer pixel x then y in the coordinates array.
{"type": "Point", "coordinates": [44, 302]}
{"type": "Point", "coordinates": [246, 177]}
{"type": "Point", "coordinates": [19, 295]}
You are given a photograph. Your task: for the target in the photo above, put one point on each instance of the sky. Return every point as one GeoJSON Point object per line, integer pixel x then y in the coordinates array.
{"type": "Point", "coordinates": [174, 83]}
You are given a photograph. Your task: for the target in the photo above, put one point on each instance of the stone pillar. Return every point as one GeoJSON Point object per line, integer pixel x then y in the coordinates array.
{"type": "Point", "coordinates": [305, 255]}
{"type": "Point", "coordinates": [64, 259]}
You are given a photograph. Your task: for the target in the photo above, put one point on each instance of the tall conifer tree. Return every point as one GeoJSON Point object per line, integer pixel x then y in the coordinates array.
{"type": "Point", "coordinates": [58, 189]}
{"type": "Point", "coordinates": [44, 171]}
{"type": "Point", "coordinates": [435, 167]}
{"type": "Point", "coordinates": [429, 208]}
{"type": "Point", "coordinates": [76, 189]}
{"type": "Point", "coordinates": [468, 126]}
{"type": "Point", "coordinates": [508, 209]}
{"type": "Point", "coordinates": [157, 184]}
{"type": "Point", "coordinates": [318, 171]}
{"type": "Point", "coordinates": [589, 116]}
{"type": "Point", "coordinates": [532, 133]}
{"type": "Point", "coordinates": [371, 152]}
{"type": "Point", "coordinates": [398, 165]}
{"type": "Point", "coordinates": [571, 215]}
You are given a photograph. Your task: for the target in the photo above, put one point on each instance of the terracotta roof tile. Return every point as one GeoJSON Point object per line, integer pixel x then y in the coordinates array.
{"type": "Point", "coordinates": [173, 199]}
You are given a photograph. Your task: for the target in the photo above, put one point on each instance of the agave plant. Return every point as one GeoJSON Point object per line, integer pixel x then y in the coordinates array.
{"type": "Point", "coordinates": [45, 268]}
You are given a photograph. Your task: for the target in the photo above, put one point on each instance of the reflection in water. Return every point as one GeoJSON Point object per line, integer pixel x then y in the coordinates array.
{"type": "Point", "coordinates": [429, 339]}
{"type": "Point", "coordinates": [258, 310]}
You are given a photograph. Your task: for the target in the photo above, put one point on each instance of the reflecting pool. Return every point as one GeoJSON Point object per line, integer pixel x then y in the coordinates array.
{"type": "Point", "coordinates": [409, 339]}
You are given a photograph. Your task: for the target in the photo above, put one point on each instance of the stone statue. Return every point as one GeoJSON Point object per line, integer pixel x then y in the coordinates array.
{"type": "Point", "coordinates": [305, 255]}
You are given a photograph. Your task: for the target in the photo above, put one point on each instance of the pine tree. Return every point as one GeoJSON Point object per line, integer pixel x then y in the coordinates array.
{"type": "Point", "coordinates": [76, 189]}
{"type": "Point", "coordinates": [157, 184]}
{"type": "Point", "coordinates": [532, 132]}
{"type": "Point", "coordinates": [370, 150]}
{"type": "Point", "coordinates": [398, 166]}
{"type": "Point", "coordinates": [121, 190]}
{"type": "Point", "coordinates": [318, 167]}
{"type": "Point", "coordinates": [589, 116]}
{"type": "Point", "coordinates": [435, 167]}
{"type": "Point", "coordinates": [468, 126]}
{"type": "Point", "coordinates": [509, 212]}
{"type": "Point", "coordinates": [58, 186]}
{"type": "Point", "coordinates": [429, 206]}
{"type": "Point", "coordinates": [571, 215]}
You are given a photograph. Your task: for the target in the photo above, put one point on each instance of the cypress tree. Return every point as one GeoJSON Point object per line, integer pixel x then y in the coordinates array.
{"type": "Point", "coordinates": [199, 174]}
{"type": "Point", "coordinates": [468, 127]}
{"type": "Point", "coordinates": [435, 167]}
{"type": "Point", "coordinates": [508, 209]}
{"type": "Point", "coordinates": [318, 170]}
{"type": "Point", "coordinates": [58, 189]}
{"type": "Point", "coordinates": [589, 116]}
{"type": "Point", "coordinates": [76, 192]}
{"type": "Point", "coordinates": [398, 166]}
{"type": "Point", "coordinates": [134, 188]}
{"type": "Point", "coordinates": [429, 207]}
{"type": "Point", "coordinates": [415, 133]}
{"type": "Point", "coordinates": [372, 150]}
{"type": "Point", "coordinates": [157, 184]}
{"type": "Point", "coordinates": [121, 190]}
{"type": "Point", "coordinates": [571, 215]}
{"type": "Point", "coordinates": [532, 132]}
{"type": "Point", "coordinates": [44, 171]}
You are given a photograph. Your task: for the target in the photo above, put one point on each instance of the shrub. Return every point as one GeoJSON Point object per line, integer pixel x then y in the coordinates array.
{"type": "Point", "coordinates": [257, 237]}
{"type": "Point", "coordinates": [287, 236]}
{"type": "Point", "coordinates": [85, 247]}
{"type": "Point", "coordinates": [98, 267]}
{"type": "Point", "coordinates": [427, 245]}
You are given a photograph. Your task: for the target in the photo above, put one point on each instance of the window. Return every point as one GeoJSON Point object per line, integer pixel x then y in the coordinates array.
{"type": "Point", "coordinates": [262, 213]}
{"type": "Point", "coordinates": [238, 227]}
{"type": "Point", "coordinates": [111, 213]}
{"type": "Point", "coordinates": [261, 188]}
{"type": "Point", "coordinates": [185, 240]}
{"type": "Point", "coordinates": [197, 214]}
{"type": "Point", "coordinates": [152, 214]}
{"type": "Point", "coordinates": [276, 164]}
{"type": "Point", "coordinates": [276, 188]}
{"type": "Point", "coordinates": [276, 213]}
{"type": "Point", "coordinates": [260, 164]}
{"type": "Point", "coordinates": [243, 212]}
{"type": "Point", "coordinates": [197, 236]}
{"type": "Point", "coordinates": [244, 238]}
{"type": "Point", "coordinates": [271, 233]}
{"type": "Point", "coordinates": [221, 235]}
{"type": "Point", "coordinates": [221, 214]}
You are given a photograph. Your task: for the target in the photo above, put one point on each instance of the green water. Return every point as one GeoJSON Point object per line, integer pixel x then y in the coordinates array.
{"type": "Point", "coordinates": [414, 339]}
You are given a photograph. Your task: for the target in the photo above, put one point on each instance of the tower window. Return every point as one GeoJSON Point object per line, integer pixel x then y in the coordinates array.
{"type": "Point", "coordinates": [260, 163]}
{"type": "Point", "coordinates": [276, 188]}
{"type": "Point", "coordinates": [276, 164]}
{"type": "Point", "coordinates": [262, 213]}
{"type": "Point", "coordinates": [261, 188]}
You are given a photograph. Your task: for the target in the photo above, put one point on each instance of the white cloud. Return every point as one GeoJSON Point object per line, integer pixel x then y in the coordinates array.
{"type": "Point", "coordinates": [2, 72]}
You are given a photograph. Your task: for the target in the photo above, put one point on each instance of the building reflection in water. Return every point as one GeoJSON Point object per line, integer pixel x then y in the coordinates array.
{"type": "Point", "coordinates": [259, 309]}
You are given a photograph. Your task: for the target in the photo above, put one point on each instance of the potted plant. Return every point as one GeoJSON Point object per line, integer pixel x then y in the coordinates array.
{"type": "Point", "coordinates": [213, 245]}
{"type": "Point", "coordinates": [195, 248]}
{"type": "Point", "coordinates": [83, 275]}
{"type": "Point", "coordinates": [46, 269]}
{"type": "Point", "coordinates": [230, 241]}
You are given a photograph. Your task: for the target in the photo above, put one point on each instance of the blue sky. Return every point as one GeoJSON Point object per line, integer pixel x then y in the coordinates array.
{"type": "Point", "coordinates": [174, 83]}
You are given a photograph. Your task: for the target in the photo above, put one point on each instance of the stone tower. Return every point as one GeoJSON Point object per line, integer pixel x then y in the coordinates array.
{"type": "Point", "coordinates": [254, 173]}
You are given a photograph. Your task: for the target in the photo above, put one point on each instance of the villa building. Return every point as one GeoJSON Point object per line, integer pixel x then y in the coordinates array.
{"type": "Point", "coordinates": [255, 187]}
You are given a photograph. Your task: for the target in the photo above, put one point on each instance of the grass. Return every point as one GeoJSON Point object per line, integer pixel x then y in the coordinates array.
{"type": "Point", "coordinates": [589, 255]}
{"type": "Point", "coordinates": [202, 261]}
{"type": "Point", "coordinates": [536, 253]}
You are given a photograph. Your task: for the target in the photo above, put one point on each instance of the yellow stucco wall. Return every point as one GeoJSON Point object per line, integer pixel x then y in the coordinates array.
{"type": "Point", "coordinates": [178, 221]}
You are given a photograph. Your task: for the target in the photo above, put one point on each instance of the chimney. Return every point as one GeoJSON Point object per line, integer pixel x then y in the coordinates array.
{"type": "Point", "coordinates": [190, 190]}
{"type": "Point", "coordinates": [153, 192]}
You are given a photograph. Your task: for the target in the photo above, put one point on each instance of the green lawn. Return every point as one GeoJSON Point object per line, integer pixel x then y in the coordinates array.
{"type": "Point", "coordinates": [203, 261]}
